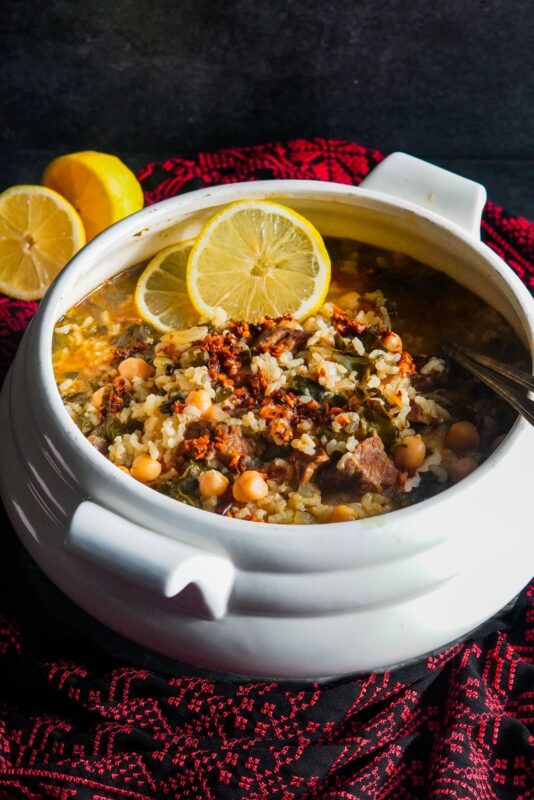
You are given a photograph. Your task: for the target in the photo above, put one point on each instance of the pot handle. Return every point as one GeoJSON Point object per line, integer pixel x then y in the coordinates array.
{"type": "Point", "coordinates": [458, 199]}
{"type": "Point", "coordinates": [150, 560]}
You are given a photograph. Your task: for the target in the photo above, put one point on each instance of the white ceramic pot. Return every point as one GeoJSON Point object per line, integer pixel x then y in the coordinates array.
{"type": "Point", "coordinates": [267, 600]}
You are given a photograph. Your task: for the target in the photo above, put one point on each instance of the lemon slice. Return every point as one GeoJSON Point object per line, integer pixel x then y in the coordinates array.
{"type": "Point", "coordinates": [161, 296]}
{"type": "Point", "coordinates": [100, 187]}
{"type": "Point", "coordinates": [39, 233]}
{"type": "Point", "coordinates": [256, 257]}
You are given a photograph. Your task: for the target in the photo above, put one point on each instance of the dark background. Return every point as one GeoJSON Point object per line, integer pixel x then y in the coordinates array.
{"type": "Point", "coordinates": [451, 81]}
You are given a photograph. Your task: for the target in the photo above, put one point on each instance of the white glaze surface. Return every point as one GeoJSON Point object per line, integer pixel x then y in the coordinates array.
{"type": "Point", "coordinates": [289, 601]}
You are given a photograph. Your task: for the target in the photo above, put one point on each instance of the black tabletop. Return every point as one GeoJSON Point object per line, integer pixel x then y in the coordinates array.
{"type": "Point", "coordinates": [451, 82]}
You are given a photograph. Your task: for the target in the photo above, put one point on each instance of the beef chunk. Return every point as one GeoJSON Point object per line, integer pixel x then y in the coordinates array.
{"type": "Point", "coordinates": [99, 443]}
{"type": "Point", "coordinates": [232, 441]}
{"type": "Point", "coordinates": [369, 466]}
{"type": "Point", "coordinates": [203, 438]}
{"type": "Point", "coordinates": [432, 379]}
{"type": "Point", "coordinates": [198, 441]}
{"type": "Point", "coordinates": [307, 466]}
{"type": "Point", "coordinates": [418, 415]}
{"type": "Point", "coordinates": [198, 428]}
{"type": "Point", "coordinates": [279, 339]}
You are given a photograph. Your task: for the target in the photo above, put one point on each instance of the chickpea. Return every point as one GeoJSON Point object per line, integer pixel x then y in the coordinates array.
{"type": "Point", "coordinates": [123, 469]}
{"type": "Point", "coordinates": [462, 436]}
{"type": "Point", "coordinates": [349, 300]}
{"type": "Point", "coordinates": [215, 413]}
{"type": "Point", "coordinates": [199, 398]}
{"type": "Point", "coordinates": [460, 469]}
{"type": "Point", "coordinates": [342, 513]}
{"type": "Point", "coordinates": [134, 367]}
{"type": "Point", "coordinates": [145, 468]}
{"type": "Point", "coordinates": [392, 342]}
{"type": "Point", "coordinates": [98, 397]}
{"type": "Point", "coordinates": [250, 486]}
{"type": "Point", "coordinates": [213, 483]}
{"type": "Point", "coordinates": [410, 453]}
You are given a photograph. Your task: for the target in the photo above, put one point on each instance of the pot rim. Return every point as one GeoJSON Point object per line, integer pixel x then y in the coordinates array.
{"type": "Point", "coordinates": [45, 320]}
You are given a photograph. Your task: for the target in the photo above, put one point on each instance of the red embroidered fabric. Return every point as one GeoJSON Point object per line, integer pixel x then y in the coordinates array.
{"type": "Point", "coordinates": [78, 723]}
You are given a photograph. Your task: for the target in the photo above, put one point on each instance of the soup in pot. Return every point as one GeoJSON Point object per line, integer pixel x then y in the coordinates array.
{"type": "Point", "coordinates": [348, 413]}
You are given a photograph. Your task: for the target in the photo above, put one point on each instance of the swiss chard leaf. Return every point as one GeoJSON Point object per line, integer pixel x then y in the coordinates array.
{"type": "Point", "coordinates": [184, 488]}
{"type": "Point", "coordinates": [174, 397]}
{"type": "Point", "coordinates": [338, 400]}
{"type": "Point", "coordinates": [135, 332]}
{"type": "Point", "coordinates": [358, 364]}
{"type": "Point", "coordinates": [112, 427]}
{"type": "Point", "coordinates": [371, 419]}
{"type": "Point", "coordinates": [84, 425]}
{"type": "Point", "coordinates": [273, 451]}
{"type": "Point", "coordinates": [310, 387]}
{"type": "Point", "coordinates": [371, 341]}
{"type": "Point", "coordinates": [76, 397]}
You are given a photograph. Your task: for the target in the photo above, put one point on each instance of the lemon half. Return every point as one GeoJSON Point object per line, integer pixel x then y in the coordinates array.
{"type": "Point", "coordinates": [100, 187]}
{"type": "Point", "coordinates": [39, 233]}
{"type": "Point", "coordinates": [256, 257]}
{"type": "Point", "coordinates": [161, 296]}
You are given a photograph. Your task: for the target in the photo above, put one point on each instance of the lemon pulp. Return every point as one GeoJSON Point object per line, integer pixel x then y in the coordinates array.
{"type": "Point", "coordinates": [257, 257]}
{"type": "Point", "coordinates": [161, 296]}
{"type": "Point", "coordinates": [39, 233]}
